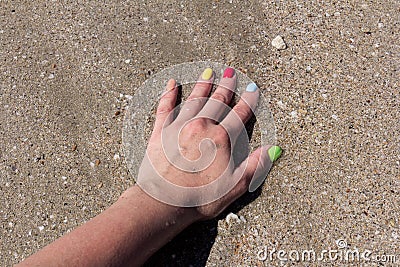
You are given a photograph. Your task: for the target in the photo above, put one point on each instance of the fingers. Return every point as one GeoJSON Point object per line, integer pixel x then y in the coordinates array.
{"type": "Point", "coordinates": [166, 105]}
{"type": "Point", "coordinates": [236, 119]}
{"type": "Point", "coordinates": [198, 96]}
{"type": "Point", "coordinates": [216, 106]}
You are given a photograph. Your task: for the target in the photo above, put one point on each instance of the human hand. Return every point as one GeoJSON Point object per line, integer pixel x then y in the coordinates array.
{"type": "Point", "coordinates": [188, 169]}
{"type": "Point", "coordinates": [188, 161]}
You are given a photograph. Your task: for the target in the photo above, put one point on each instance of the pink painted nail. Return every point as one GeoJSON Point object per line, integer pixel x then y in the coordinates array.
{"type": "Point", "coordinates": [228, 73]}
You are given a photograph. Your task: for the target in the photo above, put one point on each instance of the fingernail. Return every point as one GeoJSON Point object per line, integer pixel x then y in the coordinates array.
{"type": "Point", "coordinates": [228, 73]}
{"type": "Point", "coordinates": [251, 87]}
{"type": "Point", "coordinates": [170, 84]}
{"type": "Point", "coordinates": [274, 153]}
{"type": "Point", "coordinates": [207, 73]}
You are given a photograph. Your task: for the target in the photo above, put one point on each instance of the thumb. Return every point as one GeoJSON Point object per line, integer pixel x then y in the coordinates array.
{"type": "Point", "coordinates": [256, 167]}
{"type": "Point", "coordinates": [253, 171]}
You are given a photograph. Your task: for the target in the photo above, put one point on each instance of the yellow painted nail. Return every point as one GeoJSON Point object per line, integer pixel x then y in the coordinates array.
{"type": "Point", "coordinates": [207, 73]}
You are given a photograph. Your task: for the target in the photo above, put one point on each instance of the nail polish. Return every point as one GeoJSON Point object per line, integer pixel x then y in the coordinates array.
{"type": "Point", "coordinates": [274, 153]}
{"type": "Point", "coordinates": [228, 73]}
{"type": "Point", "coordinates": [207, 74]}
{"type": "Point", "coordinates": [251, 87]}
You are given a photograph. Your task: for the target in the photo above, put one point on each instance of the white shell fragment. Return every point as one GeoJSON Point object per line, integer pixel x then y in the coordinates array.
{"type": "Point", "coordinates": [278, 43]}
{"type": "Point", "coordinates": [232, 217]}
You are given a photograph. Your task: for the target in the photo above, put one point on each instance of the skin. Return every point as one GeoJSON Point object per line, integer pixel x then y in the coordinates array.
{"type": "Point", "coordinates": [137, 225]}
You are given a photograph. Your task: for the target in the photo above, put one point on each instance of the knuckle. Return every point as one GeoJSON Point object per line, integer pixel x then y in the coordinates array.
{"type": "Point", "coordinates": [163, 109]}
{"type": "Point", "coordinates": [191, 98]}
{"type": "Point", "coordinates": [221, 137]}
{"type": "Point", "coordinates": [219, 97]}
{"type": "Point", "coordinates": [202, 85]}
{"type": "Point", "coordinates": [195, 101]}
{"type": "Point", "coordinates": [196, 126]}
{"type": "Point", "coordinates": [167, 96]}
{"type": "Point", "coordinates": [243, 112]}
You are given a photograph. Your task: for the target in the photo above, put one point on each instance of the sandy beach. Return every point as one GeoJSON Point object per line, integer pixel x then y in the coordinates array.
{"type": "Point", "coordinates": [69, 69]}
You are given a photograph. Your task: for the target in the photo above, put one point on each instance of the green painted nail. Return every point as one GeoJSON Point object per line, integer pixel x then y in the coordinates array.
{"type": "Point", "coordinates": [274, 153]}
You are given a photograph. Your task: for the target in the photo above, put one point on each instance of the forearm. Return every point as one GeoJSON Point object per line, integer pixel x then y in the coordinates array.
{"type": "Point", "coordinates": [127, 232]}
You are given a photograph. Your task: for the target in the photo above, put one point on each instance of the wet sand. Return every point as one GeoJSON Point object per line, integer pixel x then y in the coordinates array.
{"type": "Point", "coordinates": [68, 70]}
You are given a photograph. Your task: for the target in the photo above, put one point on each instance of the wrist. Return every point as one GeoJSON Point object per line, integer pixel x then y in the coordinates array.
{"type": "Point", "coordinates": [170, 214]}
